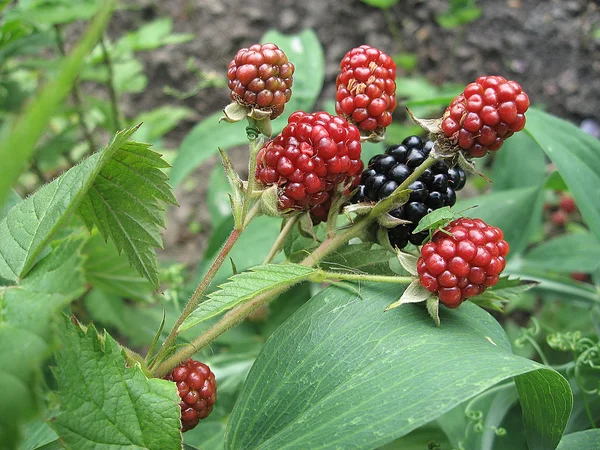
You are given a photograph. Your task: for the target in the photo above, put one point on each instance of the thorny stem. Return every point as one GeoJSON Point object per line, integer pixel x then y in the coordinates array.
{"type": "Point", "coordinates": [76, 96]}
{"type": "Point", "coordinates": [256, 142]}
{"type": "Point", "coordinates": [240, 312]}
{"type": "Point", "coordinates": [204, 284]}
{"type": "Point", "coordinates": [111, 85]}
{"type": "Point", "coordinates": [278, 244]}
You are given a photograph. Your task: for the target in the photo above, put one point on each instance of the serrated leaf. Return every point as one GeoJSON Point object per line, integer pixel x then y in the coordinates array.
{"type": "Point", "coordinates": [105, 269]}
{"type": "Point", "coordinates": [307, 386]}
{"type": "Point", "coordinates": [123, 202]}
{"type": "Point", "coordinates": [29, 225]}
{"type": "Point", "coordinates": [102, 401]}
{"type": "Point", "coordinates": [26, 320]}
{"type": "Point", "coordinates": [245, 286]}
{"type": "Point", "coordinates": [364, 256]}
{"type": "Point", "coordinates": [504, 291]}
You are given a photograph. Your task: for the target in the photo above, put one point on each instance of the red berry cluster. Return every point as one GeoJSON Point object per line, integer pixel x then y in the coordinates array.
{"type": "Point", "coordinates": [309, 158]}
{"type": "Point", "coordinates": [198, 391]}
{"type": "Point", "coordinates": [261, 77]}
{"type": "Point", "coordinates": [366, 88]}
{"type": "Point", "coordinates": [566, 208]}
{"type": "Point", "coordinates": [487, 113]}
{"type": "Point", "coordinates": [463, 263]}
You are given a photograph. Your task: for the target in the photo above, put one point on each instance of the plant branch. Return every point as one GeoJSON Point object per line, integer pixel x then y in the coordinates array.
{"type": "Point", "coordinates": [114, 101]}
{"type": "Point", "coordinates": [328, 275]}
{"type": "Point", "coordinates": [76, 96]}
{"type": "Point", "coordinates": [256, 143]}
{"type": "Point", "coordinates": [278, 244]}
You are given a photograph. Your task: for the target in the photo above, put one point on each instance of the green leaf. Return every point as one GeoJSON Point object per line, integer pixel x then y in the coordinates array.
{"type": "Point", "coordinates": [581, 440]}
{"type": "Point", "coordinates": [305, 52]}
{"type": "Point", "coordinates": [12, 199]}
{"type": "Point", "coordinates": [504, 291]}
{"type": "Point", "coordinates": [577, 158]}
{"type": "Point", "coordinates": [107, 270]}
{"type": "Point", "coordinates": [36, 434]}
{"type": "Point", "coordinates": [517, 212]}
{"type": "Point", "coordinates": [219, 206]}
{"type": "Point", "coordinates": [568, 253]}
{"type": "Point", "coordinates": [105, 404]}
{"type": "Point", "coordinates": [123, 203]}
{"type": "Point", "coordinates": [308, 386]}
{"type": "Point", "coordinates": [45, 13]}
{"type": "Point", "coordinates": [18, 145]}
{"type": "Point", "coordinates": [521, 163]}
{"type": "Point", "coordinates": [26, 321]}
{"type": "Point", "coordinates": [159, 121]}
{"type": "Point", "coordinates": [115, 189]}
{"type": "Point", "coordinates": [150, 36]}
{"type": "Point", "coordinates": [245, 286]}
{"type": "Point", "coordinates": [539, 400]}
{"type": "Point", "coordinates": [365, 257]}
{"type": "Point", "coordinates": [381, 4]}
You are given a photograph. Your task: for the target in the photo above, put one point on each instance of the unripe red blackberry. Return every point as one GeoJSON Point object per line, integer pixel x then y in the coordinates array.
{"type": "Point", "coordinates": [309, 158]}
{"type": "Point", "coordinates": [463, 262]}
{"type": "Point", "coordinates": [487, 113]}
{"type": "Point", "coordinates": [567, 203]}
{"type": "Point", "coordinates": [197, 389]}
{"type": "Point", "coordinates": [434, 189]}
{"type": "Point", "coordinates": [366, 89]}
{"type": "Point", "coordinates": [260, 77]}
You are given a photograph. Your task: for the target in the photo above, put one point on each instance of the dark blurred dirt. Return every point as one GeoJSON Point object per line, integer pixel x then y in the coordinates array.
{"type": "Point", "coordinates": [547, 46]}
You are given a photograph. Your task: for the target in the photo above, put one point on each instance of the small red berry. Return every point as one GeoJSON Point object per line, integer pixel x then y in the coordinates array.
{"type": "Point", "coordinates": [197, 389]}
{"type": "Point", "coordinates": [559, 218]}
{"type": "Point", "coordinates": [261, 77]}
{"type": "Point", "coordinates": [366, 89]}
{"type": "Point", "coordinates": [487, 113]}
{"type": "Point", "coordinates": [463, 263]}
{"type": "Point", "coordinates": [567, 203]}
{"type": "Point", "coordinates": [311, 156]}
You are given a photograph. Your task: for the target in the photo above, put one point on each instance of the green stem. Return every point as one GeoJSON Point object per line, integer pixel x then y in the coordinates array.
{"type": "Point", "coordinates": [256, 143]}
{"type": "Point", "coordinates": [114, 101]}
{"type": "Point", "coordinates": [326, 275]}
{"type": "Point", "coordinates": [203, 286]}
{"type": "Point", "coordinates": [538, 349]}
{"type": "Point", "coordinates": [278, 244]}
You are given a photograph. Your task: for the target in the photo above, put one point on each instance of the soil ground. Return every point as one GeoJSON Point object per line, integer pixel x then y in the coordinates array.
{"type": "Point", "coordinates": [551, 47]}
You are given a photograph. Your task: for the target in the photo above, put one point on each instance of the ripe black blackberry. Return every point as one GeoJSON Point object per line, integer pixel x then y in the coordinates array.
{"type": "Point", "coordinates": [435, 188]}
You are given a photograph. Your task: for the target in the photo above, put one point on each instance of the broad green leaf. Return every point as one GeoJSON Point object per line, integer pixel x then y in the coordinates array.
{"type": "Point", "coordinates": [507, 289]}
{"type": "Point", "coordinates": [568, 253]}
{"type": "Point", "coordinates": [123, 203]}
{"type": "Point", "coordinates": [159, 121]}
{"type": "Point", "coordinates": [219, 206]}
{"type": "Point", "coordinates": [107, 270]}
{"type": "Point", "coordinates": [29, 226]}
{"type": "Point", "coordinates": [45, 13]}
{"type": "Point", "coordinates": [104, 403]}
{"type": "Point", "coordinates": [26, 322]}
{"type": "Point", "coordinates": [245, 286]}
{"type": "Point", "coordinates": [577, 158]}
{"type": "Point", "coordinates": [521, 163]}
{"type": "Point", "coordinates": [365, 257]}
{"type": "Point", "coordinates": [540, 399]}
{"type": "Point", "coordinates": [517, 212]}
{"type": "Point", "coordinates": [305, 52]}
{"type": "Point", "coordinates": [36, 434]}
{"type": "Point", "coordinates": [581, 440]}
{"type": "Point", "coordinates": [317, 379]}
{"type": "Point", "coordinates": [18, 145]}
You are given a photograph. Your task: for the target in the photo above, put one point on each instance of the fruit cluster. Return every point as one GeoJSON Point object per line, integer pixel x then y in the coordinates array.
{"type": "Point", "coordinates": [435, 188]}
{"type": "Point", "coordinates": [261, 77]}
{"type": "Point", "coordinates": [197, 389]}
{"type": "Point", "coordinates": [311, 156]}
{"type": "Point", "coordinates": [566, 207]}
{"type": "Point", "coordinates": [366, 88]}
{"type": "Point", "coordinates": [462, 261]}
{"type": "Point", "coordinates": [488, 112]}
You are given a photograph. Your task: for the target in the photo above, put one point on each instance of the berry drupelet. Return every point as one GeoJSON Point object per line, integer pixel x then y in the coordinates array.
{"type": "Point", "coordinates": [311, 156]}
{"type": "Point", "coordinates": [487, 113]}
{"type": "Point", "coordinates": [435, 188]}
{"type": "Point", "coordinates": [366, 89]}
{"type": "Point", "coordinates": [260, 77]}
{"type": "Point", "coordinates": [463, 261]}
{"type": "Point", "coordinates": [197, 389]}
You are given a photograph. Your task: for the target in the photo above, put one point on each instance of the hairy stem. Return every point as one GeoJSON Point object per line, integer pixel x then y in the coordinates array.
{"type": "Point", "coordinates": [76, 96]}
{"type": "Point", "coordinates": [363, 277]}
{"type": "Point", "coordinates": [194, 300]}
{"type": "Point", "coordinates": [114, 101]}
{"type": "Point", "coordinates": [278, 244]}
{"type": "Point", "coordinates": [256, 143]}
